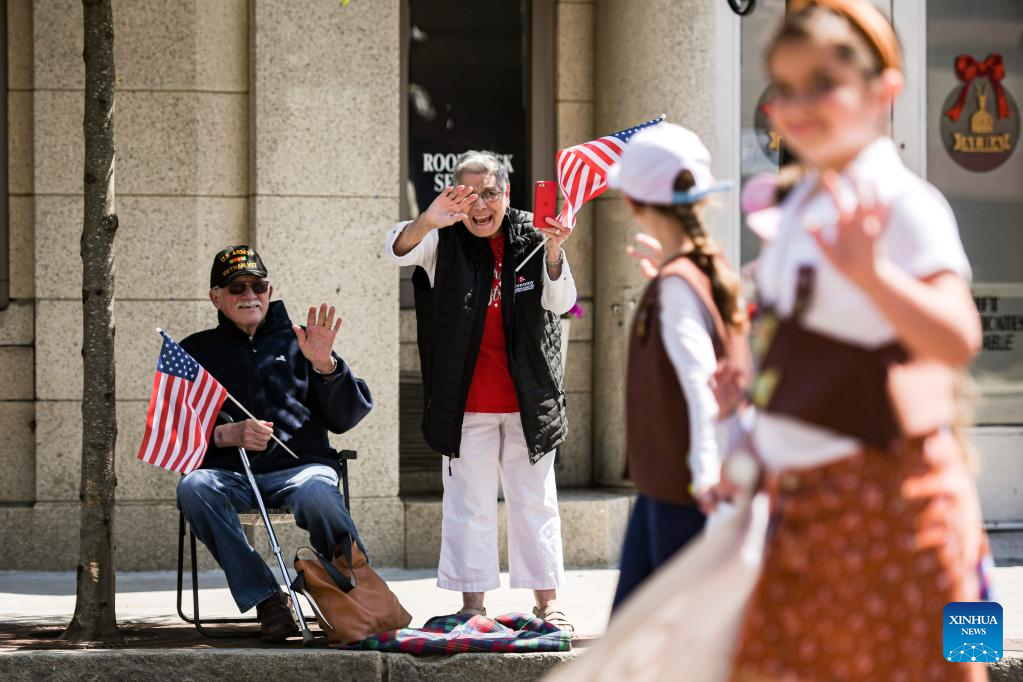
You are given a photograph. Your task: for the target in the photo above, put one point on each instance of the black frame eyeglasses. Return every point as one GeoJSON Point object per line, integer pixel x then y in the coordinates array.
{"type": "Point", "coordinates": [260, 286]}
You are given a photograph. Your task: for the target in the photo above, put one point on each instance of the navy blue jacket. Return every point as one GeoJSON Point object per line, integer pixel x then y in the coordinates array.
{"type": "Point", "coordinates": [269, 376]}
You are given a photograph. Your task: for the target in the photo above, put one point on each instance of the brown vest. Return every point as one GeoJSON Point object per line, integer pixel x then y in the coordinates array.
{"type": "Point", "coordinates": [876, 395]}
{"type": "Point", "coordinates": [656, 414]}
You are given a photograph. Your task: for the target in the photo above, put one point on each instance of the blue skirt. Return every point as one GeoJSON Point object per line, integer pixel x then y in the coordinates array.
{"type": "Point", "coordinates": [656, 531]}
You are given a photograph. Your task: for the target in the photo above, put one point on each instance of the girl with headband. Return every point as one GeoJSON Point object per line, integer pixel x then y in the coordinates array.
{"type": "Point", "coordinates": [876, 524]}
{"type": "Point", "coordinates": [689, 317]}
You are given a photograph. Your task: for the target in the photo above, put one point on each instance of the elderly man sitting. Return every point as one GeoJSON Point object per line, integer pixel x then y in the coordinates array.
{"type": "Point", "coordinates": [292, 379]}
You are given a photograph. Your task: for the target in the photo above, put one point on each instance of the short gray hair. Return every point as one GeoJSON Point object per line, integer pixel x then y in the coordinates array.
{"type": "Point", "coordinates": [474, 161]}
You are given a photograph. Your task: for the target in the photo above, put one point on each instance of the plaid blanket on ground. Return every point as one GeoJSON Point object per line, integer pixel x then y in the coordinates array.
{"type": "Point", "coordinates": [461, 633]}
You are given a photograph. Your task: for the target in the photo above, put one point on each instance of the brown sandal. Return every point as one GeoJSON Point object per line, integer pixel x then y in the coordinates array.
{"type": "Point", "coordinates": [553, 615]}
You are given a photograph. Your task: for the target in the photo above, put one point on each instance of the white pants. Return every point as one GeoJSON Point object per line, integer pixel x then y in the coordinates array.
{"type": "Point", "coordinates": [493, 445]}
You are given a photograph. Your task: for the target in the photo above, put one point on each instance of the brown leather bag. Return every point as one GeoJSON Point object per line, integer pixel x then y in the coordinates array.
{"type": "Point", "coordinates": [350, 600]}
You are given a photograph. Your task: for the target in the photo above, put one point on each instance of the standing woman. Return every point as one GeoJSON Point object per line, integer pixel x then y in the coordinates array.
{"type": "Point", "coordinates": [687, 319]}
{"type": "Point", "coordinates": [876, 520]}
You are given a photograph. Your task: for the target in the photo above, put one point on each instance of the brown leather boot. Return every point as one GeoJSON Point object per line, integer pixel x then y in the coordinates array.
{"type": "Point", "coordinates": [276, 623]}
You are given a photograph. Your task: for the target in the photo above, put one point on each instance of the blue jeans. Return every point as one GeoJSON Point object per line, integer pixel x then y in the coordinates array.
{"type": "Point", "coordinates": [211, 499]}
{"type": "Point", "coordinates": [656, 531]}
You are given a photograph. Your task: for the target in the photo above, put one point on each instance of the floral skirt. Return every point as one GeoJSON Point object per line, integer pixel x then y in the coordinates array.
{"type": "Point", "coordinates": [862, 556]}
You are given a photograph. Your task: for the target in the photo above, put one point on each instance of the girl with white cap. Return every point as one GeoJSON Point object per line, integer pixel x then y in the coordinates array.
{"type": "Point", "coordinates": [689, 317]}
{"type": "Point", "coordinates": [867, 314]}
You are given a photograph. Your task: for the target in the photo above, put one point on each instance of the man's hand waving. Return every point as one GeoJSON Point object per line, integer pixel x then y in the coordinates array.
{"type": "Point", "coordinates": [316, 341]}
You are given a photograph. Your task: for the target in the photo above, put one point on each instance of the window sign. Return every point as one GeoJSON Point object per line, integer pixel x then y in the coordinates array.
{"type": "Point", "coordinates": [999, 369]}
{"type": "Point", "coordinates": [468, 89]}
{"type": "Point", "coordinates": [1001, 319]}
{"type": "Point", "coordinates": [980, 121]}
{"type": "Point", "coordinates": [440, 167]}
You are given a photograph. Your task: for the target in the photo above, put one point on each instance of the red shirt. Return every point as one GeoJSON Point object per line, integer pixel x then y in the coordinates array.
{"type": "Point", "coordinates": [492, 389]}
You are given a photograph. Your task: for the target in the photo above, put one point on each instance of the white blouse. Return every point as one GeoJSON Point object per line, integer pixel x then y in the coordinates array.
{"type": "Point", "coordinates": [558, 295]}
{"type": "Point", "coordinates": [920, 237]}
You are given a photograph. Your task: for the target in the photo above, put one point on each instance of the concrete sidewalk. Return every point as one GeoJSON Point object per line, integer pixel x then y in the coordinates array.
{"type": "Point", "coordinates": [147, 600]}
{"type": "Point", "coordinates": [49, 598]}
{"type": "Point", "coordinates": [35, 606]}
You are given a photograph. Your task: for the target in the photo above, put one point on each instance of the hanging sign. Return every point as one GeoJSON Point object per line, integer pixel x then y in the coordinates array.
{"type": "Point", "coordinates": [980, 120]}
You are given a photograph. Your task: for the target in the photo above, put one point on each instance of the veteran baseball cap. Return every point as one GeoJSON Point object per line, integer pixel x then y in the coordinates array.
{"type": "Point", "coordinates": [235, 261]}
{"type": "Point", "coordinates": [654, 157]}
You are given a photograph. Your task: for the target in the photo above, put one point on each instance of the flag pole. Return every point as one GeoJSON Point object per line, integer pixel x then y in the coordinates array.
{"type": "Point", "coordinates": [307, 636]}
{"type": "Point", "coordinates": [532, 253]}
{"type": "Point", "coordinates": [251, 416]}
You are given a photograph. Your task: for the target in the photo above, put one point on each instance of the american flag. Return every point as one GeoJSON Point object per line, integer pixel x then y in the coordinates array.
{"type": "Point", "coordinates": [185, 402]}
{"type": "Point", "coordinates": [582, 169]}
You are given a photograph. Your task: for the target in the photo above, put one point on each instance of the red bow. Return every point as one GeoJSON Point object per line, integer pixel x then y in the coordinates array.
{"type": "Point", "coordinates": [992, 68]}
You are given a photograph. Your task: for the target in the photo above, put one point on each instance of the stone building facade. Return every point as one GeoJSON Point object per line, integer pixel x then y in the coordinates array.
{"type": "Point", "coordinates": [285, 125]}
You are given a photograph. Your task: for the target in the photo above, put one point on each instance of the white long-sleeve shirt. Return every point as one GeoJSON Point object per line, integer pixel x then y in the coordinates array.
{"type": "Point", "coordinates": [686, 333]}
{"type": "Point", "coordinates": [558, 295]}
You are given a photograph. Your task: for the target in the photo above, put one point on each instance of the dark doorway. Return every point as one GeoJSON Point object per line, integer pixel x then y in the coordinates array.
{"type": "Point", "coordinates": [478, 76]}
{"type": "Point", "coordinates": [468, 88]}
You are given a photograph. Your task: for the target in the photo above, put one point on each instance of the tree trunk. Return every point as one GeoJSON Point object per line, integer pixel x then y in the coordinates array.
{"type": "Point", "coordinates": [94, 618]}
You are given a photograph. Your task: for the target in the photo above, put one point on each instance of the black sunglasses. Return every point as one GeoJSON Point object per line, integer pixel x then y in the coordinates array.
{"type": "Point", "coordinates": [258, 287]}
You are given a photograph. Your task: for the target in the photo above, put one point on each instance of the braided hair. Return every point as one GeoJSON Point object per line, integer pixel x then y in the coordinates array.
{"type": "Point", "coordinates": [706, 254]}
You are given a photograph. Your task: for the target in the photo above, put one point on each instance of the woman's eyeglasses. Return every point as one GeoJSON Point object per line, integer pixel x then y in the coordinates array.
{"type": "Point", "coordinates": [238, 288]}
{"type": "Point", "coordinates": [491, 195]}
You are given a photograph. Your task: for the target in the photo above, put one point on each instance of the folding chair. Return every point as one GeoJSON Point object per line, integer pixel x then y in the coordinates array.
{"type": "Point", "coordinates": [249, 517]}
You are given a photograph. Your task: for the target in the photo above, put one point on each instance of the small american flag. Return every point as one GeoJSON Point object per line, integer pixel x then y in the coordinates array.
{"type": "Point", "coordinates": [185, 401]}
{"type": "Point", "coordinates": [582, 169]}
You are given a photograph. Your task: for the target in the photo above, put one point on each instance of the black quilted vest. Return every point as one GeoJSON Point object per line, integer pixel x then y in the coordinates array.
{"type": "Point", "coordinates": [449, 325]}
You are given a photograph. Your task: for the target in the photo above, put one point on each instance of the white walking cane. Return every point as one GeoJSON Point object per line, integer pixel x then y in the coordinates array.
{"type": "Point", "coordinates": [307, 636]}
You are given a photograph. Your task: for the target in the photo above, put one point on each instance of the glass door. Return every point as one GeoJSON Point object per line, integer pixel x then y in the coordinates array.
{"type": "Point", "coordinates": [974, 69]}
{"type": "Point", "coordinates": [760, 149]}
{"type": "Point", "coordinates": [957, 125]}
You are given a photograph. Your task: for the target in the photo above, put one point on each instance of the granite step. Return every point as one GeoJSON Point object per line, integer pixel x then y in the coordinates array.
{"type": "Point", "coordinates": [593, 524]}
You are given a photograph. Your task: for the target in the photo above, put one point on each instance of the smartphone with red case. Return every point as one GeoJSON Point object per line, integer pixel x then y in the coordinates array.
{"type": "Point", "coordinates": [545, 202]}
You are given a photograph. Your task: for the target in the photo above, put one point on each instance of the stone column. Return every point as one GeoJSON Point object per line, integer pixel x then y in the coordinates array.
{"type": "Point", "coordinates": [17, 354]}
{"type": "Point", "coordinates": [574, 103]}
{"type": "Point", "coordinates": [652, 57]}
{"type": "Point", "coordinates": [326, 141]}
{"type": "Point", "coordinates": [182, 180]}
